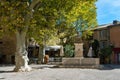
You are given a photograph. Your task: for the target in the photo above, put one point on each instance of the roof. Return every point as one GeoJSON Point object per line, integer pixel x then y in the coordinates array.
{"type": "Point", "coordinates": [115, 23]}
{"type": "Point", "coordinates": [102, 26]}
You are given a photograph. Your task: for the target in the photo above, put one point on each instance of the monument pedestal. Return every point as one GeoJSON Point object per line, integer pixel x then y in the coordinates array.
{"type": "Point", "coordinates": [78, 50]}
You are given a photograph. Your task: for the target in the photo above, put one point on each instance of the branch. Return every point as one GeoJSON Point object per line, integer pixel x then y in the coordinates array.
{"type": "Point", "coordinates": [34, 3]}
{"type": "Point", "coordinates": [28, 17]}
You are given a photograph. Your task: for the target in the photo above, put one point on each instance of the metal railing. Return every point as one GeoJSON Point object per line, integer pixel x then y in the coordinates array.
{"type": "Point", "coordinates": [55, 59]}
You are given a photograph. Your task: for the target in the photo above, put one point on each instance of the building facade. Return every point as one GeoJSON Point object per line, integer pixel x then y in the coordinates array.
{"type": "Point", "coordinates": [7, 48]}
{"type": "Point", "coordinates": [115, 41]}
{"type": "Point", "coordinates": [102, 35]}
{"type": "Point", "coordinates": [108, 36]}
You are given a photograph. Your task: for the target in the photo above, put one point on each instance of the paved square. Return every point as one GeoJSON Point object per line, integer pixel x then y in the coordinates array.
{"type": "Point", "coordinates": [43, 72]}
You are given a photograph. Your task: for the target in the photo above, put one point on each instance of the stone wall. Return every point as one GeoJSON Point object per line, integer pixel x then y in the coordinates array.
{"type": "Point", "coordinates": [80, 61]}
{"type": "Point", "coordinates": [90, 61]}
{"type": "Point", "coordinates": [7, 48]}
{"type": "Point", "coordinates": [9, 45]}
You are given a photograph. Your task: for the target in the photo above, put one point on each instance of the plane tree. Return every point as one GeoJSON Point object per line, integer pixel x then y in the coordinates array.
{"type": "Point", "coordinates": [41, 18]}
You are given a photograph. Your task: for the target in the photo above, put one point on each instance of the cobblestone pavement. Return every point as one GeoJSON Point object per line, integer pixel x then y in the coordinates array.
{"type": "Point", "coordinates": [43, 72]}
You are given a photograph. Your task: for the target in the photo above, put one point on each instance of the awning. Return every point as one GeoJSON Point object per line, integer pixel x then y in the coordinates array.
{"type": "Point", "coordinates": [55, 48]}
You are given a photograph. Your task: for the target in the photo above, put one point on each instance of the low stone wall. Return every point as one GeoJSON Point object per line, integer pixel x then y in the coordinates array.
{"type": "Point", "coordinates": [70, 61]}
{"type": "Point", "coordinates": [90, 61]}
{"type": "Point", "coordinates": [80, 61]}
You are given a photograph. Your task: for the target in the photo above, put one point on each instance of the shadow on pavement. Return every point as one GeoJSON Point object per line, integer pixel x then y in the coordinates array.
{"type": "Point", "coordinates": [110, 66]}
{"type": "Point", "coordinates": [6, 71]}
{"type": "Point", "coordinates": [6, 65]}
{"type": "Point", "coordinates": [2, 78]}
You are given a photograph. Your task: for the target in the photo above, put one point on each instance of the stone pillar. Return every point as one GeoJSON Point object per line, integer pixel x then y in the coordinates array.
{"type": "Point", "coordinates": [78, 49]}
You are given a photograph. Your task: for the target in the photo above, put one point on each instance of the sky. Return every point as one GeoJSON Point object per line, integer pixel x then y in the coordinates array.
{"type": "Point", "coordinates": [107, 11]}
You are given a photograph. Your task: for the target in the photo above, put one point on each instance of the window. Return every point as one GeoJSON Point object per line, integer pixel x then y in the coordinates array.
{"type": "Point", "coordinates": [103, 34]}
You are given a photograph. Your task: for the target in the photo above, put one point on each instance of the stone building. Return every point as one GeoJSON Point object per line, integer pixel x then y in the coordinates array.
{"type": "Point", "coordinates": [7, 48]}
{"type": "Point", "coordinates": [107, 35]}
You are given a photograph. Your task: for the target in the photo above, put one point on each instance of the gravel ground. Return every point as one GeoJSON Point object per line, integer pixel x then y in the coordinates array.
{"type": "Point", "coordinates": [43, 72]}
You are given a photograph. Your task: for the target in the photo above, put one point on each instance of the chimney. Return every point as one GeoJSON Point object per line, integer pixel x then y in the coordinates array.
{"type": "Point", "coordinates": [115, 22]}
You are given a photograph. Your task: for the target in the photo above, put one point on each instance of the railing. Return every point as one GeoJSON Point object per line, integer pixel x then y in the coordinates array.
{"type": "Point", "coordinates": [55, 59]}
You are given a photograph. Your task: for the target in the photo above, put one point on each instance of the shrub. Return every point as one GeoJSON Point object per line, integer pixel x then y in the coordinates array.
{"type": "Point", "coordinates": [106, 52]}
{"type": "Point", "coordinates": [69, 50]}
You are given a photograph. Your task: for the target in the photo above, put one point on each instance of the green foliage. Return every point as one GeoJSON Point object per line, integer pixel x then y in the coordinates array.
{"type": "Point", "coordinates": [1, 33]}
{"type": "Point", "coordinates": [45, 17]}
{"type": "Point", "coordinates": [86, 19]}
{"type": "Point", "coordinates": [106, 52]}
{"type": "Point", "coordinates": [95, 44]}
{"type": "Point", "coordinates": [69, 50]}
{"type": "Point", "coordinates": [13, 15]}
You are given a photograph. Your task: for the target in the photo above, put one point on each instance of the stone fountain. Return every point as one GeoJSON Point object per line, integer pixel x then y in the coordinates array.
{"type": "Point", "coordinates": [79, 60]}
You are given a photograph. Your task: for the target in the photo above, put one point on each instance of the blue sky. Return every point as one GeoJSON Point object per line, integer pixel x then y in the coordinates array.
{"type": "Point", "coordinates": [107, 11]}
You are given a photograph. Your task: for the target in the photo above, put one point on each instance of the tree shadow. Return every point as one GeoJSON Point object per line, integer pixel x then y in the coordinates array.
{"type": "Point", "coordinates": [6, 71]}
{"type": "Point", "coordinates": [6, 65]}
{"type": "Point", "coordinates": [2, 78]}
{"type": "Point", "coordinates": [110, 66]}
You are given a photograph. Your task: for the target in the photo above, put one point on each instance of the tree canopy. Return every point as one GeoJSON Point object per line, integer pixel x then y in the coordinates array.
{"type": "Point", "coordinates": [48, 16]}
{"type": "Point", "coordinates": [63, 18]}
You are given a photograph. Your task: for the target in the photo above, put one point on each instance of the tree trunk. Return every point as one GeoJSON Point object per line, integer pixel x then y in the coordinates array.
{"type": "Point", "coordinates": [21, 55]}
